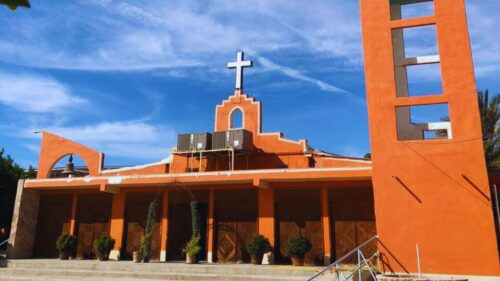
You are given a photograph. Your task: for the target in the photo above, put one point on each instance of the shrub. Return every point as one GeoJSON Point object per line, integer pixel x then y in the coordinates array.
{"type": "Point", "coordinates": [66, 243]}
{"type": "Point", "coordinates": [298, 246]}
{"type": "Point", "coordinates": [193, 246]}
{"type": "Point", "coordinates": [104, 245]}
{"type": "Point", "coordinates": [145, 244]}
{"type": "Point", "coordinates": [258, 245]}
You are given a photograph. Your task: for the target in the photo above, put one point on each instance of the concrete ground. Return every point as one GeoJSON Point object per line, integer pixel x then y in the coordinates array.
{"type": "Point", "coordinates": [90, 270]}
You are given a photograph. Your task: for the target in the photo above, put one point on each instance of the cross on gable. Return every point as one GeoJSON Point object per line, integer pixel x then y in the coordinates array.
{"type": "Point", "coordinates": [239, 64]}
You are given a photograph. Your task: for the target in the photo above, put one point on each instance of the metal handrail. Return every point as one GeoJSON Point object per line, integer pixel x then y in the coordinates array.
{"type": "Point", "coordinates": [337, 262]}
{"type": "Point", "coordinates": [4, 242]}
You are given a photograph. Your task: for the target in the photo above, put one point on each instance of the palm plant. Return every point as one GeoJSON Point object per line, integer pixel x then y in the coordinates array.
{"type": "Point", "coordinates": [490, 115]}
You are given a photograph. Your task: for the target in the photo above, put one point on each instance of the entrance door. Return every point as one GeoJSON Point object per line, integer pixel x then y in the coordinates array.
{"type": "Point", "coordinates": [54, 215]}
{"type": "Point", "coordinates": [93, 215]}
{"type": "Point", "coordinates": [136, 212]}
{"type": "Point", "coordinates": [352, 221]}
{"type": "Point", "coordinates": [299, 212]}
{"type": "Point", "coordinates": [180, 229]}
{"type": "Point", "coordinates": [236, 222]}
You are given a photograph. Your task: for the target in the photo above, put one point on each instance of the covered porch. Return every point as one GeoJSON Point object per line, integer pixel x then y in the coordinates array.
{"type": "Point", "coordinates": [332, 207]}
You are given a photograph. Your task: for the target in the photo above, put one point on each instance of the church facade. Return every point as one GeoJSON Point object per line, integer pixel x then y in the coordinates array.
{"type": "Point", "coordinates": [272, 186]}
{"type": "Point", "coordinates": [430, 194]}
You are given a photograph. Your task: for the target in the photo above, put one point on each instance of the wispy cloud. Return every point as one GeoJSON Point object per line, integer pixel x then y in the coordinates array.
{"type": "Point", "coordinates": [295, 74]}
{"type": "Point", "coordinates": [127, 139]}
{"type": "Point", "coordinates": [136, 35]}
{"type": "Point", "coordinates": [36, 93]}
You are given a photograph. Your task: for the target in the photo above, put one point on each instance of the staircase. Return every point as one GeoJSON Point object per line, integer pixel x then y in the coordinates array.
{"type": "Point", "coordinates": [57, 270]}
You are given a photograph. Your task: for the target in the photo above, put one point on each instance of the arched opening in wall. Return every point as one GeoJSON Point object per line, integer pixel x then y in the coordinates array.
{"type": "Point", "coordinates": [236, 119]}
{"type": "Point", "coordinates": [70, 165]}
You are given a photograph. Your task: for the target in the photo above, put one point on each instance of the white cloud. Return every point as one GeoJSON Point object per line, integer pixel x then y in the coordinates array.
{"type": "Point", "coordinates": [483, 22]}
{"type": "Point", "coordinates": [136, 35]}
{"type": "Point", "coordinates": [128, 139]}
{"type": "Point", "coordinates": [34, 93]}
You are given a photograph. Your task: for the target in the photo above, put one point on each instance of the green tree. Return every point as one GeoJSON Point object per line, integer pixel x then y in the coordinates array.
{"type": "Point", "coordinates": [10, 173]}
{"type": "Point", "coordinates": [490, 115]}
{"type": "Point", "coordinates": [13, 4]}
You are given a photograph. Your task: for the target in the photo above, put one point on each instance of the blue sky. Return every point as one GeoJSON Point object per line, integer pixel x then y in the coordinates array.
{"type": "Point", "coordinates": [125, 77]}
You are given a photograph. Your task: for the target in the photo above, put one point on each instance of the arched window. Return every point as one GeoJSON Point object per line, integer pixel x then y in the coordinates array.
{"type": "Point", "coordinates": [236, 119]}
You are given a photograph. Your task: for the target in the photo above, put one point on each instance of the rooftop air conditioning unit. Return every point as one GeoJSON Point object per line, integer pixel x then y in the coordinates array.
{"type": "Point", "coordinates": [194, 142]}
{"type": "Point", "coordinates": [237, 139]}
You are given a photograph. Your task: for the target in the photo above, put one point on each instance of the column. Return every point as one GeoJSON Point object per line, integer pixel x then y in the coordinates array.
{"type": "Point", "coordinates": [24, 220]}
{"type": "Point", "coordinates": [325, 220]}
{"type": "Point", "coordinates": [211, 226]}
{"type": "Point", "coordinates": [117, 223]}
{"type": "Point", "coordinates": [266, 218]}
{"type": "Point", "coordinates": [72, 223]}
{"type": "Point", "coordinates": [164, 227]}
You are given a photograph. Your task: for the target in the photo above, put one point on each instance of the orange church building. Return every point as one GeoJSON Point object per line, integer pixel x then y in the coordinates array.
{"type": "Point", "coordinates": [430, 193]}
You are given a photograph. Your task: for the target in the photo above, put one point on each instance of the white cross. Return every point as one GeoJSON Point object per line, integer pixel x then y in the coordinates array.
{"type": "Point", "coordinates": [239, 64]}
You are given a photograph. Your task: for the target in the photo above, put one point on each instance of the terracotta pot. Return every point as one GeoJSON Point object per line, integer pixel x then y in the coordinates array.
{"type": "Point", "coordinates": [256, 259]}
{"type": "Point", "coordinates": [138, 256]}
{"type": "Point", "coordinates": [100, 256]}
{"type": "Point", "coordinates": [297, 261]}
{"type": "Point", "coordinates": [64, 255]}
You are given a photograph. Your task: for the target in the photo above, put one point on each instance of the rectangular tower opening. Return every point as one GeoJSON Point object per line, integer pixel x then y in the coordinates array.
{"type": "Point", "coordinates": [417, 63]}
{"type": "Point", "coordinates": [405, 9]}
{"type": "Point", "coordinates": [424, 80]}
{"type": "Point", "coordinates": [423, 122]}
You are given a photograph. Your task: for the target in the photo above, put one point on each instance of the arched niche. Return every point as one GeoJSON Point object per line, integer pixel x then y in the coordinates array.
{"type": "Point", "coordinates": [236, 118]}
{"type": "Point", "coordinates": [81, 168]}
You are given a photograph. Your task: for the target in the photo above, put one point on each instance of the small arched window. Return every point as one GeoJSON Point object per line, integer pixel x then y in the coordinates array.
{"type": "Point", "coordinates": [236, 119]}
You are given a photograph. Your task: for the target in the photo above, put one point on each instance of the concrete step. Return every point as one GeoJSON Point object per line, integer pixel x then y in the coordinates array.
{"type": "Point", "coordinates": [94, 270]}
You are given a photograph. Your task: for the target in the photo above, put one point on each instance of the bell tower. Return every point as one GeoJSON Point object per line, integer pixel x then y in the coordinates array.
{"type": "Point", "coordinates": [429, 174]}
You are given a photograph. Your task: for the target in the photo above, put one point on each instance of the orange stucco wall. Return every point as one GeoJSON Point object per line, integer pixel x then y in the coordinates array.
{"type": "Point", "coordinates": [54, 147]}
{"type": "Point", "coordinates": [432, 193]}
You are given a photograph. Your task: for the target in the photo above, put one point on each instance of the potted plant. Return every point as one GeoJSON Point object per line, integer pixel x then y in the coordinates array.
{"type": "Point", "coordinates": [192, 249]}
{"type": "Point", "coordinates": [257, 247]}
{"type": "Point", "coordinates": [66, 244]}
{"type": "Point", "coordinates": [297, 248]}
{"type": "Point", "coordinates": [103, 246]}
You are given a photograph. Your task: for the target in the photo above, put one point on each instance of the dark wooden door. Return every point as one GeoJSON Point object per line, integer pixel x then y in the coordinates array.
{"type": "Point", "coordinates": [136, 212]}
{"type": "Point", "coordinates": [352, 221]}
{"type": "Point", "coordinates": [54, 216]}
{"type": "Point", "coordinates": [299, 212]}
{"type": "Point", "coordinates": [180, 230]}
{"type": "Point", "coordinates": [93, 215]}
{"type": "Point", "coordinates": [236, 224]}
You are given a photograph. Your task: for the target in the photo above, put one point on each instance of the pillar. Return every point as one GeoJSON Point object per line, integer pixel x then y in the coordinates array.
{"type": "Point", "coordinates": [117, 223]}
{"type": "Point", "coordinates": [24, 219]}
{"type": "Point", "coordinates": [266, 218]}
{"type": "Point", "coordinates": [325, 221]}
{"type": "Point", "coordinates": [211, 226]}
{"type": "Point", "coordinates": [164, 227]}
{"type": "Point", "coordinates": [72, 223]}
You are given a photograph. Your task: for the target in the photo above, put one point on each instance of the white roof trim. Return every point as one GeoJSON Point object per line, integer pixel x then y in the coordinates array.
{"type": "Point", "coordinates": [204, 174]}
